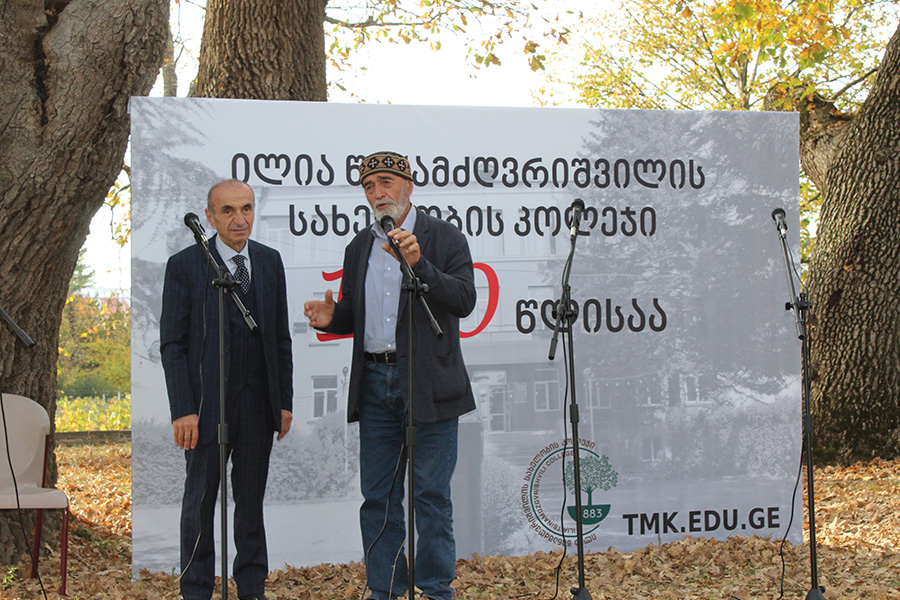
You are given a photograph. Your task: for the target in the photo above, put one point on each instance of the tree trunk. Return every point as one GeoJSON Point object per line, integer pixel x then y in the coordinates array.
{"type": "Point", "coordinates": [68, 70]}
{"type": "Point", "coordinates": [855, 270]}
{"type": "Point", "coordinates": [263, 49]}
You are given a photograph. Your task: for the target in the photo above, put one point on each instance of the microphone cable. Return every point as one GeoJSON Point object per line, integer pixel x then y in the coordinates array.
{"type": "Point", "coordinates": [562, 509]}
{"type": "Point", "coordinates": [204, 474]}
{"type": "Point", "coordinates": [387, 508]}
{"type": "Point", "coordinates": [12, 472]}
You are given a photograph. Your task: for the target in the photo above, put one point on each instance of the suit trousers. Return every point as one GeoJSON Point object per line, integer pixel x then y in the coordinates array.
{"type": "Point", "coordinates": [250, 434]}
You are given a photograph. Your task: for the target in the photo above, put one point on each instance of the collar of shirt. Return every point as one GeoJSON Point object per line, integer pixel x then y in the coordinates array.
{"type": "Point", "coordinates": [383, 279]}
{"type": "Point", "coordinates": [227, 253]}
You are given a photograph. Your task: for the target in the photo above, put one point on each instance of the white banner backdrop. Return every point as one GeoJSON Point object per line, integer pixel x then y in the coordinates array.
{"type": "Point", "coordinates": [687, 366]}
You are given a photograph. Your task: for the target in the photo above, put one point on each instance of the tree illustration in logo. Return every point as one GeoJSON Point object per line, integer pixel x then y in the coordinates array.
{"type": "Point", "coordinates": [596, 474]}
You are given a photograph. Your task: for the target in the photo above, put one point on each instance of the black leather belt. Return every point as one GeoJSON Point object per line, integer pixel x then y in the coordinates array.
{"type": "Point", "coordinates": [386, 358]}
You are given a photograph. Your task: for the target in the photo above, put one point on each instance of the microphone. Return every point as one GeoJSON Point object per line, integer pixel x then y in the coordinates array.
{"type": "Point", "coordinates": [577, 209]}
{"type": "Point", "coordinates": [193, 223]}
{"type": "Point", "coordinates": [778, 217]}
{"type": "Point", "coordinates": [387, 223]}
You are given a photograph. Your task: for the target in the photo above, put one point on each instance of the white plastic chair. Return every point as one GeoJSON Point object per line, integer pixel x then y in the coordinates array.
{"type": "Point", "coordinates": [28, 427]}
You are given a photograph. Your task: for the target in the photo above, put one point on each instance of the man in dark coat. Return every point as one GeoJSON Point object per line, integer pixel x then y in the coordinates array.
{"type": "Point", "coordinates": [373, 308]}
{"type": "Point", "coordinates": [258, 387]}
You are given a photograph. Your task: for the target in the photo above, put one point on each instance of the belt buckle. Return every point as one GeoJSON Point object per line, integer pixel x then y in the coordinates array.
{"type": "Point", "coordinates": [390, 359]}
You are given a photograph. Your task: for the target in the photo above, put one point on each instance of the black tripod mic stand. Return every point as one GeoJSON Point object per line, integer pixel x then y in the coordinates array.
{"type": "Point", "coordinates": [566, 314]}
{"type": "Point", "coordinates": [224, 282]}
{"type": "Point", "coordinates": [416, 291]}
{"type": "Point", "coordinates": [800, 305]}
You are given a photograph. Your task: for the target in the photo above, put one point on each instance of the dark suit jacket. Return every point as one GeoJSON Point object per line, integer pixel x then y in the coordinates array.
{"type": "Point", "coordinates": [441, 387]}
{"type": "Point", "coordinates": [187, 344]}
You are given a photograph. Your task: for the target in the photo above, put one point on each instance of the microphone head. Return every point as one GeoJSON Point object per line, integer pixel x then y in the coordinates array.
{"type": "Point", "coordinates": [191, 218]}
{"type": "Point", "coordinates": [578, 204]}
{"type": "Point", "coordinates": [778, 212]}
{"type": "Point", "coordinates": [387, 223]}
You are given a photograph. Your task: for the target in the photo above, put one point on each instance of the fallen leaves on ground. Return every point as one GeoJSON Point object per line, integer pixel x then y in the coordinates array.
{"type": "Point", "coordinates": [97, 479]}
{"type": "Point", "coordinates": [857, 547]}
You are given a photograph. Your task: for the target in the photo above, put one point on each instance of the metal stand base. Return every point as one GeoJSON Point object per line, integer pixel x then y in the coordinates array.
{"type": "Point", "coordinates": [580, 594]}
{"type": "Point", "coordinates": [816, 594]}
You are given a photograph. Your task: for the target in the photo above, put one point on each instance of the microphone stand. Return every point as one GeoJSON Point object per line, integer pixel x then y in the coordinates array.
{"type": "Point", "coordinates": [566, 314]}
{"type": "Point", "coordinates": [29, 343]}
{"type": "Point", "coordinates": [415, 289]}
{"type": "Point", "coordinates": [224, 282]}
{"type": "Point", "coordinates": [801, 305]}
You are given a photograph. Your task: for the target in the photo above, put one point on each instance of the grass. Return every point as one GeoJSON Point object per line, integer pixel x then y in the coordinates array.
{"type": "Point", "coordinates": [96, 413]}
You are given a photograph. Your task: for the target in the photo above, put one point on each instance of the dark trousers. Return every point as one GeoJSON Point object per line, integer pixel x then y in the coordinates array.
{"type": "Point", "coordinates": [250, 432]}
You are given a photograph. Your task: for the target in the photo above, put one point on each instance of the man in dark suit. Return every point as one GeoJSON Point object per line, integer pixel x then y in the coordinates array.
{"type": "Point", "coordinates": [259, 387]}
{"type": "Point", "coordinates": [373, 308]}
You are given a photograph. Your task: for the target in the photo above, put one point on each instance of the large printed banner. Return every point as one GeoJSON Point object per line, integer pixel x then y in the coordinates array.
{"type": "Point", "coordinates": [686, 364]}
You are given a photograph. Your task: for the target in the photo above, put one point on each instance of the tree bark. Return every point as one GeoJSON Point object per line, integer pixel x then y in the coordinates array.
{"type": "Point", "coordinates": [263, 49]}
{"type": "Point", "coordinates": [854, 272]}
{"type": "Point", "coordinates": [68, 70]}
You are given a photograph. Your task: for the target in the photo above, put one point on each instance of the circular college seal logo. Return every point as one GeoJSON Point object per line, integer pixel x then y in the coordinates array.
{"type": "Point", "coordinates": [543, 492]}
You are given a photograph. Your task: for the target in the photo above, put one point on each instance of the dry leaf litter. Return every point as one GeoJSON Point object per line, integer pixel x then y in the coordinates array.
{"type": "Point", "coordinates": [857, 529]}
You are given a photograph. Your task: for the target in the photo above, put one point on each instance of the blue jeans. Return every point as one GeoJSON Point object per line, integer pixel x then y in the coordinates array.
{"type": "Point", "coordinates": [382, 420]}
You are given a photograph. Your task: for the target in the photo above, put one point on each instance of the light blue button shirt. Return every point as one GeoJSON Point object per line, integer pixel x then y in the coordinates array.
{"type": "Point", "coordinates": [227, 253]}
{"type": "Point", "coordinates": [383, 279]}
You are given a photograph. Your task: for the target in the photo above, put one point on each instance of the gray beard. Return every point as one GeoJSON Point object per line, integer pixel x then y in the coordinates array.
{"type": "Point", "coordinates": [394, 211]}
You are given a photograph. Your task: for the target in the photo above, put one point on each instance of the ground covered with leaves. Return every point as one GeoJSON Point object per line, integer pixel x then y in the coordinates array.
{"type": "Point", "coordinates": [857, 526]}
